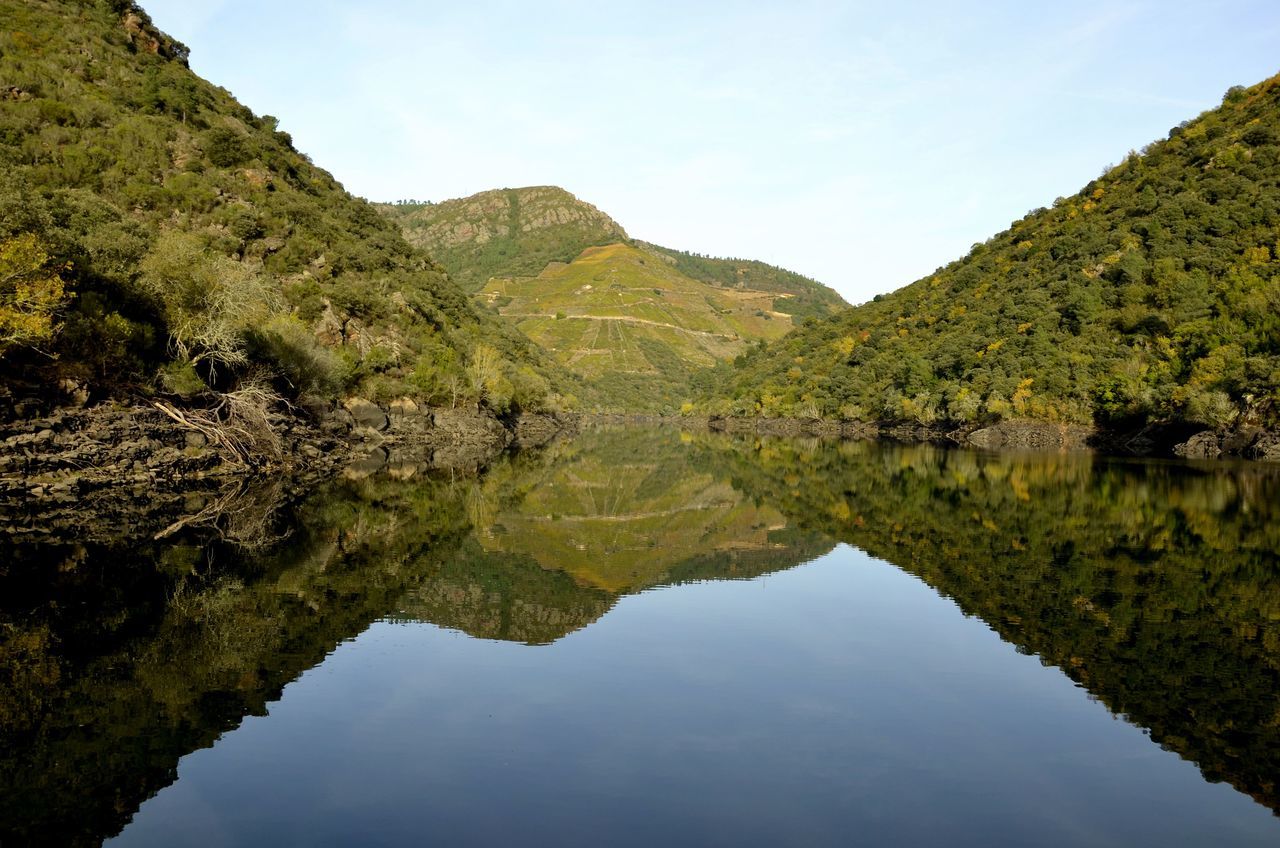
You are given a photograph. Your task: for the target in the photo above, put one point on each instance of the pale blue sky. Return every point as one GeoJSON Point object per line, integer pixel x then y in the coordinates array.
{"type": "Point", "coordinates": [864, 144]}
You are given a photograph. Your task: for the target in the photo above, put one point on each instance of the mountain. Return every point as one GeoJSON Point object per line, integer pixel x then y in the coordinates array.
{"type": "Point", "coordinates": [1150, 296]}
{"type": "Point", "coordinates": [504, 232]}
{"type": "Point", "coordinates": [157, 234]}
{"type": "Point", "coordinates": [517, 232]}
{"type": "Point", "coordinates": [638, 321]}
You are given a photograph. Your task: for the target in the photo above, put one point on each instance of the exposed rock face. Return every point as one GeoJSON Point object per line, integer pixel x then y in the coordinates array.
{"type": "Point", "coordinates": [1250, 442]}
{"type": "Point", "coordinates": [1200, 446]}
{"type": "Point", "coordinates": [483, 217]}
{"type": "Point", "coordinates": [66, 456]}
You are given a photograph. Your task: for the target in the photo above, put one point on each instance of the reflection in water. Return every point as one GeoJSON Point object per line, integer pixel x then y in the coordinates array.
{"type": "Point", "coordinates": [1154, 586]}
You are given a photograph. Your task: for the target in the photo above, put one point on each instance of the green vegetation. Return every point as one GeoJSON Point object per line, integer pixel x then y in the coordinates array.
{"type": "Point", "coordinates": [644, 329]}
{"type": "Point", "coordinates": [1152, 295]}
{"type": "Point", "coordinates": [152, 226]}
{"type": "Point", "coordinates": [1154, 586]}
{"type": "Point", "coordinates": [632, 325]}
{"type": "Point", "coordinates": [797, 295]}
{"type": "Point", "coordinates": [505, 232]}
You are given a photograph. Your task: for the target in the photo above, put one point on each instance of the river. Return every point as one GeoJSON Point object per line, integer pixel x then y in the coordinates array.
{"type": "Point", "coordinates": [643, 636]}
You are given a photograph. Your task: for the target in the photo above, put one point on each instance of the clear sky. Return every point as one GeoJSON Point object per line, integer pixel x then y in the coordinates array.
{"type": "Point", "coordinates": [863, 144]}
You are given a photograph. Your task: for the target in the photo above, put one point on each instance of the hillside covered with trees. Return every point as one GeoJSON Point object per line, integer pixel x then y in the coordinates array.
{"type": "Point", "coordinates": [157, 235]}
{"type": "Point", "coordinates": [1150, 296]}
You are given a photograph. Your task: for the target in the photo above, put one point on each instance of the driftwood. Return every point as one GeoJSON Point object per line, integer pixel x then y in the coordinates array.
{"type": "Point", "coordinates": [238, 424]}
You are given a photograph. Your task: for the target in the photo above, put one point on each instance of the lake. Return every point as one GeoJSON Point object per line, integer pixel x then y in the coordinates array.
{"type": "Point", "coordinates": [643, 636]}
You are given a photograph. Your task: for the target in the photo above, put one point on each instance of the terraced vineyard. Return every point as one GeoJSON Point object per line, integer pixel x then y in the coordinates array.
{"type": "Point", "coordinates": [626, 319]}
{"type": "Point", "coordinates": [640, 322]}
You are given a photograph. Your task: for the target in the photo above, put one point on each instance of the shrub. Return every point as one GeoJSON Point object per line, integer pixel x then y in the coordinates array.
{"type": "Point", "coordinates": [30, 293]}
{"type": "Point", "coordinates": [296, 357]}
{"type": "Point", "coordinates": [209, 301]}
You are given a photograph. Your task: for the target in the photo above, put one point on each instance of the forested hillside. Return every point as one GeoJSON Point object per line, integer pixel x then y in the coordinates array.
{"type": "Point", "coordinates": [1152, 295]}
{"type": "Point", "coordinates": [156, 234]}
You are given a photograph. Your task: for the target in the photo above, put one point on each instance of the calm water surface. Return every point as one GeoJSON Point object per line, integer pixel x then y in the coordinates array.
{"type": "Point", "coordinates": [644, 637]}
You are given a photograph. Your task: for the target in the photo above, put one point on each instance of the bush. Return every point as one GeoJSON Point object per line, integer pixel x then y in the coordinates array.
{"type": "Point", "coordinates": [30, 293]}
{"type": "Point", "coordinates": [297, 358]}
{"type": "Point", "coordinates": [179, 377]}
{"type": "Point", "coordinates": [210, 302]}
{"type": "Point", "coordinates": [225, 147]}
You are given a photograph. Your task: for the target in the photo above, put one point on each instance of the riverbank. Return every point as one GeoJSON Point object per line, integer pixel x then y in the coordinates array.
{"type": "Point", "coordinates": [111, 456]}
{"type": "Point", "coordinates": [1245, 442]}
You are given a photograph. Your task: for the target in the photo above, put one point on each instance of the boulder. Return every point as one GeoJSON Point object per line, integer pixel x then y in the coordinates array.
{"type": "Point", "coordinates": [366, 413]}
{"type": "Point", "coordinates": [1204, 445]}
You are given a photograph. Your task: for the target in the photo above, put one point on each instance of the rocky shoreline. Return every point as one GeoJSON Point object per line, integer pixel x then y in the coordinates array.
{"type": "Point", "coordinates": [74, 457]}
{"type": "Point", "coordinates": [1244, 442]}
{"type": "Point", "coordinates": [123, 462]}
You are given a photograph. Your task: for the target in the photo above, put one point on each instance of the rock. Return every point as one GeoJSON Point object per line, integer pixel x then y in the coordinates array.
{"type": "Point", "coordinates": [366, 413]}
{"type": "Point", "coordinates": [404, 408]}
{"type": "Point", "coordinates": [1267, 447]}
{"type": "Point", "coordinates": [1029, 434]}
{"type": "Point", "coordinates": [328, 328]}
{"type": "Point", "coordinates": [1203, 445]}
{"type": "Point", "coordinates": [1239, 440]}
{"type": "Point", "coordinates": [76, 392]}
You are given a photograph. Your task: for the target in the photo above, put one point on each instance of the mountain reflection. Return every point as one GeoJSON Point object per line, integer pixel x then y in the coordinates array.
{"type": "Point", "coordinates": [1154, 586]}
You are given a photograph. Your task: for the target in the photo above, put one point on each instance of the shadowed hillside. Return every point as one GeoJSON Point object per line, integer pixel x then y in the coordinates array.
{"type": "Point", "coordinates": [156, 234]}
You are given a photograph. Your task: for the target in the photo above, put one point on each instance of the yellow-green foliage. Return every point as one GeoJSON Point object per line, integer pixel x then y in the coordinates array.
{"type": "Point", "coordinates": [30, 293]}
{"type": "Point", "coordinates": [630, 323]}
{"type": "Point", "coordinates": [210, 301]}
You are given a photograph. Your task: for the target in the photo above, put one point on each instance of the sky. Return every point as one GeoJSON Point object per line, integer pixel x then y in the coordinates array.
{"type": "Point", "coordinates": [862, 144]}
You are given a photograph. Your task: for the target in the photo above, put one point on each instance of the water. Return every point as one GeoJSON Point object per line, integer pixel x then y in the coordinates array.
{"type": "Point", "coordinates": [645, 637]}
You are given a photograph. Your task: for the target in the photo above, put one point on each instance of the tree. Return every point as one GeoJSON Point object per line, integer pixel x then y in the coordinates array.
{"type": "Point", "coordinates": [31, 292]}
{"type": "Point", "coordinates": [210, 301]}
